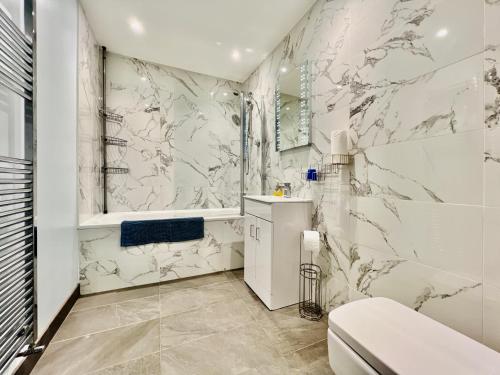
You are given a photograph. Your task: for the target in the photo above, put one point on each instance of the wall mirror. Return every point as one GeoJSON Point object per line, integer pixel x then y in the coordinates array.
{"type": "Point", "coordinates": [292, 107]}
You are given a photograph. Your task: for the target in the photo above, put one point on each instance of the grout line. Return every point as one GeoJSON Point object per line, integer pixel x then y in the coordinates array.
{"type": "Point", "coordinates": [106, 330]}
{"type": "Point", "coordinates": [113, 303]}
{"type": "Point", "coordinates": [308, 346]}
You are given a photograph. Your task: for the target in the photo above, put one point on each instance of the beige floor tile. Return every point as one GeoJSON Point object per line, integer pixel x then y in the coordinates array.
{"type": "Point", "coordinates": [96, 300]}
{"type": "Point", "coordinates": [235, 274]}
{"type": "Point", "coordinates": [148, 365]}
{"type": "Point", "coordinates": [210, 325]}
{"type": "Point", "coordinates": [101, 350]}
{"type": "Point", "coordinates": [94, 320]}
{"type": "Point", "coordinates": [182, 300]}
{"type": "Point", "coordinates": [288, 331]}
{"type": "Point", "coordinates": [88, 321]}
{"type": "Point", "coordinates": [218, 317]}
{"type": "Point", "coordinates": [195, 282]}
{"type": "Point", "coordinates": [312, 360]}
{"type": "Point", "coordinates": [241, 350]}
{"type": "Point", "coordinates": [138, 310]}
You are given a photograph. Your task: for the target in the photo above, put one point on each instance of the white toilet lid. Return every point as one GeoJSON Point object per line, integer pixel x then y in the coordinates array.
{"type": "Point", "coordinates": [395, 339]}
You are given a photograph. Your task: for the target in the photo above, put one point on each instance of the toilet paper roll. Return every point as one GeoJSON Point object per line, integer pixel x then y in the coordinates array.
{"type": "Point", "coordinates": [311, 241]}
{"type": "Point", "coordinates": [339, 142]}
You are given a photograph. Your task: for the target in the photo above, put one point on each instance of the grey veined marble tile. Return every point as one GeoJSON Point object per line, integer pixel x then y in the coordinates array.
{"type": "Point", "coordinates": [218, 317]}
{"type": "Point", "coordinates": [182, 300]}
{"type": "Point", "coordinates": [99, 351]}
{"type": "Point", "coordinates": [148, 365]}
{"type": "Point", "coordinates": [107, 317]}
{"type": "Point", "coordinates": [288, 332]}
{"type": "Point", "coordinates": [240, 351]}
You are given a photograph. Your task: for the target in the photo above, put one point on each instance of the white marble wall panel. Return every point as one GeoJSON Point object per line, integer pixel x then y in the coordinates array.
{"type": "Point", "coordinates": [492, 126]}
{"type": "Point", "coordinates": [400, 40]}
{"type": "Point", "coordinates": [424, 170]}
{"type": "Point", "coordinates": [491, 323]}
{"type": "Point", "coordinates": [492, 246]}
{"type": "Point", "coordinates": [183, 156]}
{"type": "Point", "coordinates": [408, 78]}
{"type": "Point", "coordinates": [446, 101]}
{"type": "Point", "coordinates": [89, 123]}
{"type": "Point", "coordinates": [492, 15]}
{"type": "Point", "coordinates": [446, 297]}
{"type": "Point", "coordinates": [104, 265]}
{"type": "Point", "coordinates": [444, 236]}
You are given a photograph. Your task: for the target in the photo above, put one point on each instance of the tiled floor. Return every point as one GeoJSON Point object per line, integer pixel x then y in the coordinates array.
{"type": "Point", "coordinates": [208, 325]}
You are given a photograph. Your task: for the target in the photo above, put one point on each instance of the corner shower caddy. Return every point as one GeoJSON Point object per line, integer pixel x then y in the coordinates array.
{"type": "Point", "coordinates": [107, 116]}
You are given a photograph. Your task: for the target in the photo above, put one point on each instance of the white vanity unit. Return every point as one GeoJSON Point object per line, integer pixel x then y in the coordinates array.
{"type": "Point", "coordinates": [273, 227]}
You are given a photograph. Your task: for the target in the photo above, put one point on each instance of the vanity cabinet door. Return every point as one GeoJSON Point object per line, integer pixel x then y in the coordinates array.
{"type": "Point", "coordinates": [250, 248]}
{"type": "Point", "coordinates": [263, 263]}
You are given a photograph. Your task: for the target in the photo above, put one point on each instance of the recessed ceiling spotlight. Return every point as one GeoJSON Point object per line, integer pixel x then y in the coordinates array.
{"type": "Point", "coordinates": [441, 33]}
{"type": "Point", "coordinates": [143, 78]}
{"type": "Point", "coordinates": [225, 94]}
{"type": "Point", "coordinates": [249, 50]}
{"type": "Point", "coordinates": [287, 108]}
{"type": "Point", "coordinates": [284, 69]}
{"type": "Point", "coordinates": [212, 93]}
{"type": "Point", "coordinates": [135, 25]}
{"type": "Point", "coordinates": [218, 43]}
{"type": "Point", "coordinates": [236, 55]}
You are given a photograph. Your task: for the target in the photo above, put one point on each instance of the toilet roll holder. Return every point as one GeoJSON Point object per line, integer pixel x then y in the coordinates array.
{"type": "Point", "coordinates": [309, 288]}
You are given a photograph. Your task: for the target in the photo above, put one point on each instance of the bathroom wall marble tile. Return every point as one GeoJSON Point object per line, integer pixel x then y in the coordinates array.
{"type": "Point", "coordinates": [492, 87]}
{"type": "Point", "coordinates": [104, 265]}
{"type": "Point", "coordinates": [397, 40]}
{"type": "Point", "coordinates": [491, 323]}
{"type": "Point", "coordinates": [491, 17]}
{"type": "Point", "coordinates": [443, 236]}
{"type": "Point", "coordinates": [424, 170]}
{"type": "Point", "coordinates": [183, 155]}
{"type": "Point", "coordinates": [446, 101]}
{"type": "Point", "coordinates": [492, 128]}
{"type": "Point", "coordinates": [443, 296]}
{"type": "Point", "coordinates": [491, 246]}
{"type": "Point", "coordinates": [407, 76]}
{"type": "Point", "coordinates": [89, 123]}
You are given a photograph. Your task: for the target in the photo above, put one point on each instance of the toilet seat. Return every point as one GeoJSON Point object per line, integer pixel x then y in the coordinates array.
{"type": "Point", "coordinates": [394, 339]}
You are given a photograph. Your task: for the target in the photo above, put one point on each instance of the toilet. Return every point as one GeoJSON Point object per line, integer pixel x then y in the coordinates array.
{"type": "Point", "coordinates": [381, 336]}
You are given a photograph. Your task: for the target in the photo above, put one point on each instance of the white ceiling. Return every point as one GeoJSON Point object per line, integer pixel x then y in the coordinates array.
{"type": "Point", "coordinates": [196, 35]}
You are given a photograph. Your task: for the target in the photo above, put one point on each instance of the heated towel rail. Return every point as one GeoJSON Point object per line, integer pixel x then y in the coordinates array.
{"type": "Point", "coordinates": [17, 239]}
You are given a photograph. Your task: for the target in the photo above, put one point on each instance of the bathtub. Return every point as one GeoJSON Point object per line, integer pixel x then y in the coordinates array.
{"type": "Point", "coordinates": [105, 266]}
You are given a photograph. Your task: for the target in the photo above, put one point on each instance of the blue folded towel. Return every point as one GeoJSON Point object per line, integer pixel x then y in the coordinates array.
{"type": "Point", "coordinates": [135, 233]}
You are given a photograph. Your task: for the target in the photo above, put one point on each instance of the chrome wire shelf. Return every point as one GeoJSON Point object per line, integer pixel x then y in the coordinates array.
{"type": "Point", "coordinates": [112, 117]}
{"type": "Point", "coordinates": [325, 170]}
{"type": "Point", "coordinates": [115, 170]}
{"type": "Point", "coordinates": [114, 141]}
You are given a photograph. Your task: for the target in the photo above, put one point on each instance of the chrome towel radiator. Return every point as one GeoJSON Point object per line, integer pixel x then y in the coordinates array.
{"type": "Point", "coordinates": [17, 239]}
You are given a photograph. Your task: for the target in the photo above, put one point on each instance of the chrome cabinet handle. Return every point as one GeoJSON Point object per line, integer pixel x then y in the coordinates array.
{"type": "Point", "coordinates": [257, 234]}
{"type": "Point", "coordinates": [251, 230]}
